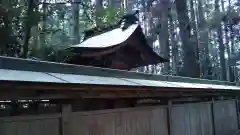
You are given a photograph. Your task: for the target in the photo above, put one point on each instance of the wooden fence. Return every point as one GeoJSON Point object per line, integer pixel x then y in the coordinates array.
{"type": "Point", "coordinates": [31, 125]}
{"type": "Point", "coordinates": [192, 119]}
{"type": "Point", "coordinates": [210, 118]}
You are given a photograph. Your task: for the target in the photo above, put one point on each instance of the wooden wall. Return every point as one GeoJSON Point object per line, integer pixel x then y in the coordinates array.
{"type": "Point", "coordinates": [192, 119]}
{"type": "Point", "coordinates": [225, 117]}
{"type": "Point", "coordinates": [30, 125]}
{"type": "Point", "coordinates": [210, 118]}
{"type": "Point", "coordinates": [139, 121]}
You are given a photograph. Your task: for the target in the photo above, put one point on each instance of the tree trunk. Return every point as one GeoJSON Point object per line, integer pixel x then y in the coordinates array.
{"type": "Point", "coordinates": [27, 27]}
{"type": "Point", "coordinates": [232, 50]}
{"type": "Point", "coordinates": [203, 43]}
{"type": "Point", "coordinates": [5, 30]}
{"type": "Point", "coordinates": [42, 44]}
{"type": "Point", "coordinates": [221, 46]}
{"type": "Point", "coordinates": [99, 6]}
{"type": "Point", "coordinates": [75, 11]}
{"type": "Point", "coordinates": [194, 39]}
{"type": "Point", "coordinates": [145, 25]}
{"type": "Point", "coordinates": [175, 52]}
{"type": "Point", "coordinates": [150, 26]}
{"type": "Point", "coordinates": [164, 35]}
{"type": "Point", "coordinates": [226, 31]}
{"type": "Point", "coordinates": [111, 3]}
{"type": "Point", "coordinates": [190, 64]}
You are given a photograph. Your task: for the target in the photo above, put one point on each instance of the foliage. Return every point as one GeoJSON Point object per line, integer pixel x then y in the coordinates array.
{"type": "Point", "coordinates": [109, 16]}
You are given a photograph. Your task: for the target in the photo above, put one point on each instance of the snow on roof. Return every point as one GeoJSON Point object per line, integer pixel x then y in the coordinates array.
{"type": "Point", "coordinates": [108, 39]}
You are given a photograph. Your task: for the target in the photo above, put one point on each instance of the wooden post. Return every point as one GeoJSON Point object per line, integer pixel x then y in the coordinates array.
{"type": "Point", "coordinates": [169, 117]}
{"type": "Point", "coordinates": [66, 119]}
{"type": "Point", "coordinates": [237, 112]}
{"type": "Point", "coordinates": [213, 117]}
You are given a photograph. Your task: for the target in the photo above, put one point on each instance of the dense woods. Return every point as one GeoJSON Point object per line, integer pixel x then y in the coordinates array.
{"type": "Point", "coordinates": [200, 37]}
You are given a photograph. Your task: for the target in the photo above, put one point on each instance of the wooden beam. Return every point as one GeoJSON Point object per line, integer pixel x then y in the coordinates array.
{"type": "Point", "coordinates": [17, 94]}
{"type": "Point", "coordinates": [10, 90]}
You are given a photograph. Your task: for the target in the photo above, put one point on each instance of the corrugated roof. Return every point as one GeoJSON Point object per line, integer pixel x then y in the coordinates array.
{"type": "Point", "coordinates": [16, 75]}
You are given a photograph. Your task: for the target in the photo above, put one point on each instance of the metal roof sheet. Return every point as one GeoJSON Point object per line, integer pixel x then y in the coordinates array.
{"type": "Point", "coordinates": [204, 86]}
{"type": "Point", "coordinates": [36, 66]}
{"type": "Point", "coordinates": [85, 79]}
{"type": "Point", "coordinates": [117, 36]}
{"type": "Point", "coordinates": [16, 75]}
{"type": "Point", "coordinates": [155, 83]}
{"type": "Point", "coordinates": [189, 85]}
{"type": "Point", "coordinates": [152, 83]}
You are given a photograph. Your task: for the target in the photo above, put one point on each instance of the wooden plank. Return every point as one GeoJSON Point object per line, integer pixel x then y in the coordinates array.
{"type": "Point", "coordinates": [36, 127]}
{"type": "Point", "coordinates": [169, 117]}
{"type": "Point", "coordinates": [50, 127]}
{"type": "Point", "coordinates": [237, 111]}
{"type": "Point", "coordinates": [205, 119]}
{"type": "Point", "coordinates": [213, 117]}
{"type": "Point", "coordinates": [225, 115]}
{"type": "Point", "coordinates": [29, 125]}
{"type": "Point", "coordinates": [9, 128]}
{"type": "Point", "coordinates": [138, 121]}
{"type": "Point", "coordinates": [191, 119]}
{"type": "Point", "coordinates": [66, 119]}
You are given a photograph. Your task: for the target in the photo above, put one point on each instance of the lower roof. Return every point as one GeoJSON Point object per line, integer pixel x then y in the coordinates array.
{"type": "Point", "coordinates": [48, 77]}
{"type": "Point", "coordinates": [62, 68]}
{"type": "Point", "coordinates": [30, 79]}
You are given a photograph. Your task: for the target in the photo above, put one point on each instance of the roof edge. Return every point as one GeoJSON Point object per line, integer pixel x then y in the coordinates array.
{"type": "Point", "coordinates": [53, 67]}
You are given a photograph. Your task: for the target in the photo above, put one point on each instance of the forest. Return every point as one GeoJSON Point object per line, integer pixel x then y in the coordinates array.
{"type": "Point", "coordinates": [200, 37]}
